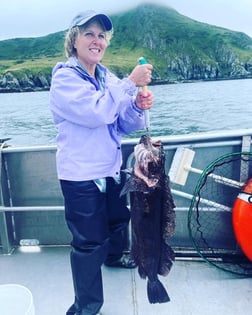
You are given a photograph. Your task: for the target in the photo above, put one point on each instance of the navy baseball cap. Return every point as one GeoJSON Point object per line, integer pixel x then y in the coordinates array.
{"type": "Point", "coordinates": [84, 17]}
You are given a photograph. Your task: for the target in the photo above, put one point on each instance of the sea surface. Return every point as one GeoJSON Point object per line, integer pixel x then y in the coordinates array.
{"type": "Point", "coordinates": [182, 108]}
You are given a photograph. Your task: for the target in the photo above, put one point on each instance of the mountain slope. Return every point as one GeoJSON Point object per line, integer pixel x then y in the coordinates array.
{"type": "Point", "coordinates": [179, 48]}
{"type": "Point", "coordinates": [174, 42]}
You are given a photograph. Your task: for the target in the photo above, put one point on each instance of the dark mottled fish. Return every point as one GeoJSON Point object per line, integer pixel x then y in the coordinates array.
{"type": "Point", "coordinates": [152, 216]}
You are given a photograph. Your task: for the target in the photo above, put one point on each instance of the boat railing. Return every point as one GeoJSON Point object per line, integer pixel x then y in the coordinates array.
{"type": "Point", "coordinates": [29, 185]}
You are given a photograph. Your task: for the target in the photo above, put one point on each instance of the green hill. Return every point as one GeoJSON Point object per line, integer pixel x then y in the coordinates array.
{"type": "Point", "coordinates": [180, 48]}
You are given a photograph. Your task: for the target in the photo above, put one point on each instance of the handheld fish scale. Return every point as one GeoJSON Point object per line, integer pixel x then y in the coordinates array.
{"type": "Point", "coordinates": [143, 61]}
{"type": "Point", "coordinates": [181, 166]}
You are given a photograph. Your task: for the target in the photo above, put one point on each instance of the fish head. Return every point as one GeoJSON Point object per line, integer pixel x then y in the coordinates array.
{"type": "Point", "coordinates": [146, 152]}
{"type": "Point", "coordinates": [152, 149]}
{"type": "Point", "coordinates": [149, 159]}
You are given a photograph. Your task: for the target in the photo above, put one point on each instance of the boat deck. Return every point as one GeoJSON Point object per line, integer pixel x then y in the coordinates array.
{"type": "Point", "coordinates": [195, 287]}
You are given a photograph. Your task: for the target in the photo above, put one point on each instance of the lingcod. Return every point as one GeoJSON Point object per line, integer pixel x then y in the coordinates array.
{"type": "Point", "coordinates": [152, 216]}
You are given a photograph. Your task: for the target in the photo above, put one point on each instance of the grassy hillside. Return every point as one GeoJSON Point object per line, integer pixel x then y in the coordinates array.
{"type": "Point", "coordinates": [33, 54]}
{"type": "Point", "coordinates": [159, 33]}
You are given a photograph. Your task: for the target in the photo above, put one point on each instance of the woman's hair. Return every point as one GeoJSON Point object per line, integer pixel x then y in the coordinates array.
{"type": "Point", "coordinates": [72, 34]}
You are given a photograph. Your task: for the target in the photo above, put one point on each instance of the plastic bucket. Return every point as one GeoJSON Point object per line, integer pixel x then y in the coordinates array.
{"type": "Point", "coordinates": [15, 299]}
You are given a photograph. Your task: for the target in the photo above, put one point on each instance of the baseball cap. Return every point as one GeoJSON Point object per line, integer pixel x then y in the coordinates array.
{"type": "Point", "coordinates": [84, 17]}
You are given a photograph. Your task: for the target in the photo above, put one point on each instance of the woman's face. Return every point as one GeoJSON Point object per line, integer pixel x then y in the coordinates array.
{"type": "Point", "coordinates": [90, 45]}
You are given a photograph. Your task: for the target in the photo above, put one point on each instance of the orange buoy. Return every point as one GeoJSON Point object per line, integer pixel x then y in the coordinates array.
{"type": "Point", "coordinates": [242, 219]}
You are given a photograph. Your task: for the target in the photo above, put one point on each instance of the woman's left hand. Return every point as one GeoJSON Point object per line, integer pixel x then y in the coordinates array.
{"type": "Point", "coordinates": [144, 100]}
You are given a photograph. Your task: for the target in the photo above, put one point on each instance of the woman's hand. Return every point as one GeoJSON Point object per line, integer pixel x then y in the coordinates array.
{"type": "Point", "coordinates": [141, 74]}
{"type": "Point", "coordinates": [144, 100]}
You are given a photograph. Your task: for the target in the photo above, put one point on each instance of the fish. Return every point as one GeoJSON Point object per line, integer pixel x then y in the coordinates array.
{"type": "Point", "coordinates": [152, 216]}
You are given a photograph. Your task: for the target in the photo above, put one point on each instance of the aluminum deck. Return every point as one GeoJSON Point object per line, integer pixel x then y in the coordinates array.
{"type": "Point", "coordinates": [195, 288]}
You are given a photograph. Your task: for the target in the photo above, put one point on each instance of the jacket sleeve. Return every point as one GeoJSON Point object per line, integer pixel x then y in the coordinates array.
{"type": "Point", "coordinates": [78, 101]}
{"type": "Point", "coordinates": [130, 117]}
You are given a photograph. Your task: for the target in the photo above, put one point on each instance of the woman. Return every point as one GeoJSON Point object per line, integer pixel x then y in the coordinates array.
{"type": "Point", "coordinates": [92, 109]}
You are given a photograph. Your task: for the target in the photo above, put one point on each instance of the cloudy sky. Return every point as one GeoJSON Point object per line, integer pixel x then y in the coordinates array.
{"type": "Point", "coordinates": [33, 18]}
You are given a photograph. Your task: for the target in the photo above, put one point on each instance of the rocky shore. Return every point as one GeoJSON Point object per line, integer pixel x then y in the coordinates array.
{"type": "Point", "coordinates": [24, 83]}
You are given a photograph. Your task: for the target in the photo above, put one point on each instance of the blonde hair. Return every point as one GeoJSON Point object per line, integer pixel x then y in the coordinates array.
{"type": "Point", "coordinates": [73, 33]}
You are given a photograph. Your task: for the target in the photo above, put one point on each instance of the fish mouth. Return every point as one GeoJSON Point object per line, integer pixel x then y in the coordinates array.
{"type": "Point", "coordinates": [147, 150]}
{"type": "Point", "coordinates": [147, 156]}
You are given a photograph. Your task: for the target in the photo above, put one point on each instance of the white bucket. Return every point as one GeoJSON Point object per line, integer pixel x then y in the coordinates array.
{"type": "Point", "coordinates": [15, 299]}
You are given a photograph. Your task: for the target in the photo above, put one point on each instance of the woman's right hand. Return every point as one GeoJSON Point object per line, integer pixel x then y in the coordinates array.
{"type": "Point", "coordinates": [144, 100]}
{"type": "Point", "coordinates": [141, 74]}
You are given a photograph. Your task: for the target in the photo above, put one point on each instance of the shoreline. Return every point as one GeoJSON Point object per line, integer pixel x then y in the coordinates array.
{"type": "Point", "coordinates": [153, 83]}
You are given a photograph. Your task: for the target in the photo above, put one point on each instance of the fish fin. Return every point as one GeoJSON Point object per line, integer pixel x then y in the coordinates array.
{"type": "Point", "coordinates": [125, 190]}
{"type": "Point", "coordinates": [167, 257]}
{"type": "Point", "coordinates": [128, 187]}
{"type": "Point", "coordinates": [133, 184]}
{"type": "Point", "coordinates": [156, 292]}
{"type": "Point", "coordinates": [128, 171]}
{"type": "Point", "coordinates": [141, 272]}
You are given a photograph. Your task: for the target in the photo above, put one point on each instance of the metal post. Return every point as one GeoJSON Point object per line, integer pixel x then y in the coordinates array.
{"type": "Point", "coordinates": [244, 168]}
{"type": "Point", "coordinates": [3, 224]}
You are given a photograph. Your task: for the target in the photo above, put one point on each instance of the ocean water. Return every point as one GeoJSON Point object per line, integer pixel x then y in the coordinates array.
{"type": "Point", "coordinates": [182, 108]}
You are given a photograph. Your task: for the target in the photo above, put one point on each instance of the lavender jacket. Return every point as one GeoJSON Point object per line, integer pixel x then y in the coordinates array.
{"type": "Point", "coordinates": [90, 120]}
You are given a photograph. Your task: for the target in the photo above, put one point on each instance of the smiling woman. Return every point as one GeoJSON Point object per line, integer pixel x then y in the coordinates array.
{"type": "Point", "coordinates": [79, 31]}
{"type": "Point", "coordinates": [88, 43]}
{"type": "Point", "coordinates": [91, 106]}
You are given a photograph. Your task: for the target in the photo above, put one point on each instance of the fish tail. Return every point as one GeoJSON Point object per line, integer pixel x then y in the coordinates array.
{"type": "Point", "coordinates": [156, 292]}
